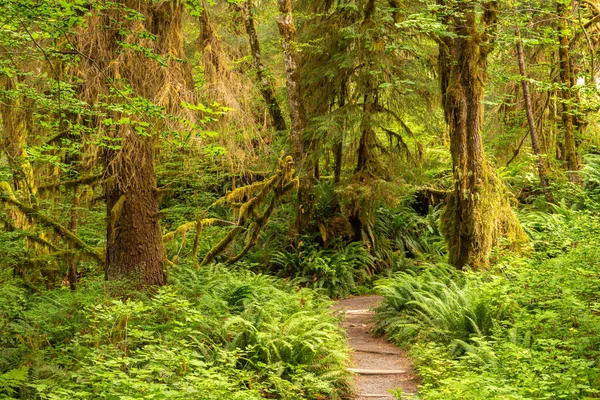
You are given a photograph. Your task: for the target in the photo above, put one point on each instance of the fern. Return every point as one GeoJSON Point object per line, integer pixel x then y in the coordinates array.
{"type": "Point", "coordinates": [438, 303]}
{"type": "Point", "coordinates": [335, 272]}
{"type": "Point", "coordinates": [12, 380]}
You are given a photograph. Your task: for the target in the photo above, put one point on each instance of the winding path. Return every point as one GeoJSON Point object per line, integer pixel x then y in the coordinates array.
{"type": "Point", "coordinates": [379, 365]}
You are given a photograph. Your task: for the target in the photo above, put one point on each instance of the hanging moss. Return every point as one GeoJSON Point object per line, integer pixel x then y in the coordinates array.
{"type": "Point", "coordinates": [252, 207]}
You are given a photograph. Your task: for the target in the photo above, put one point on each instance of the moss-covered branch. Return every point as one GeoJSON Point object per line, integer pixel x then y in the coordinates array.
{"type": "Point", "coordinates": [66, 234]}
{"type": "Point", "coordinates": [71, 184]}
{"type": "Point", "coordinates": [247, 202]}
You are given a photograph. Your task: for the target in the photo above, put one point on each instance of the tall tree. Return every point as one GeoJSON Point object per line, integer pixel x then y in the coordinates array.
{"type": "Point", "coordinates": [566, 80]}
{"type": "Point", "coordinates": [144, 76]}
{"type": "Point", "coordinates": [478, 212]}
{"type": "Point", "coordinates": [262, 74]}
{"type": "Point", "coordinates": [287, 30]}
{"type": "Point", "coordinates": [539, 161]}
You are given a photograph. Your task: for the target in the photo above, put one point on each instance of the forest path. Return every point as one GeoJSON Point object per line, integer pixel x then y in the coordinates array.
{"type": "Point", "coordinates": [379, 365]}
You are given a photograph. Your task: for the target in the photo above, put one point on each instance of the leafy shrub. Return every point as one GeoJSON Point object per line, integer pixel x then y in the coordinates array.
{"type": "Point", "coordinates": [401, 233]}
{"type": "Point", "coordinates": [537, 338]}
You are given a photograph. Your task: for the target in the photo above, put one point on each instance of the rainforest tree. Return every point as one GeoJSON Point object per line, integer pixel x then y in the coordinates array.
{"type": "Point", "coordinates": [478, 213]}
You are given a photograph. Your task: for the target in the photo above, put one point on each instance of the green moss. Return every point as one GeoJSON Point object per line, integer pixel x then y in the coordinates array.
{"type": "Point", "coordinates": [476, 221]}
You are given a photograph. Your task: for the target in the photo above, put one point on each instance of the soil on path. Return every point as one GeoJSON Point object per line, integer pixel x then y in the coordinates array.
{"type": "Point", "coordinates": [379, 365]}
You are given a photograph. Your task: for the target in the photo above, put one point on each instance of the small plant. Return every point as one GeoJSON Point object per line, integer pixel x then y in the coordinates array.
{"type": "Point", "coordinates": [215, 333]}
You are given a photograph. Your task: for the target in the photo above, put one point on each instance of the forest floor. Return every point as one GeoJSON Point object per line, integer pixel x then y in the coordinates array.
{"type": "Point", "coordinates": [379, 365]}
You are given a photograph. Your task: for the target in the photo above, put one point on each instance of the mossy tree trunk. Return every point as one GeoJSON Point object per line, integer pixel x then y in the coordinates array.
{"type": "Point", "coordinates": [368, 165]}
{"type": "Point", "coordinates": [338, 147]}
{"type": "Point", "coordinates": [478, 212]}
{"type": "Point", "coordinates": [566, 80]}
{"type": "Point", "coordinates": [135, 251]}
{"type": "Point", "coordinates": [262, 74]}
{"type": "Point", "coordinates": [300, 147]}
{"type": "Point", "coordinates": [15, 114]}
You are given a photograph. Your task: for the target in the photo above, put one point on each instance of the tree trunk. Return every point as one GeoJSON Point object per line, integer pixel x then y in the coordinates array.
{"type": "Point", "coordinates": [134, 249]}
{"type": "Point", "coordinates": [306, 196]}
{"type": "Point", "coordinates": [73, 225]}
{"type": "Point", "coordinates": [367, 163]}
{"type": "Point", "coordinates": [338, 147]}
{"type": "Point", "coordinates": [478, 212]}
{"type": "Point", "coordinates": [265, 85]}
{"type": "Point", "coordinates": [15, 115]}
{"type": "Point", "coordinates": [570, 147]}
{"type": "Point", "coordinates": [532, 128]}
{"type": "Point", "coordinates": [14, 119]}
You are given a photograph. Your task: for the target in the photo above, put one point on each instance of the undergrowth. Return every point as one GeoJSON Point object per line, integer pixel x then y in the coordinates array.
{"type": "Point", "coordinates": [525, 329]}
{"type": "Point", "coordinates": [212, 334]}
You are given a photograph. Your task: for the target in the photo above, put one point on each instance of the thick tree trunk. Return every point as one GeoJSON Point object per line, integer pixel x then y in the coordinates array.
{"type": "Point", "coordinates": [570, 147]}
{"type": "Point", "coordinates": [265, 85]}
{"type": "Point", "coordinates": [134, 249]}
{"type": "Point", "coordinates": [478, 212]}
{"type": "Point", "coordinates": [532, 128]}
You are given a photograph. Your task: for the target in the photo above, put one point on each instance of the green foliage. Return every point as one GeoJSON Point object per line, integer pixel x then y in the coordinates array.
{"type": "Point", "coordinates": [433, 305]}
{"type": "Point", "coordinates": [526, 329]}
{"type": "Point", "coordinates": [213, 334]}
{"type": "Point", "coordinates": [400, 233]}
{"type": "Point", "coordinates": [336, 272]}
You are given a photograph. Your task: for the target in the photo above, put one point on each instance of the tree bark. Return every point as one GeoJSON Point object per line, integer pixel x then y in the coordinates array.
{"type": "Point", "coordinates": [14, 120]}
{"type": "Point", "coordinates": [15, 115]}
{"type": "Point", "coordinates": [478, 212]}
{"type": "Point", "coordinates": [338, 147]}
{"type": "Point", "coordinates": [134, 247]}
{"type": "Point", "coordinates": [570, 146]}
{"type": "Point", "coordinates": [265, 85]}
{"type": "Point", "coordinates": [532, 128]}
{"type": "Point", "coordinates": [367, 163]}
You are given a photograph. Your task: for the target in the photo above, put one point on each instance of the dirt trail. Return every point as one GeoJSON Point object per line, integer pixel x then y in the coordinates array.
{"type": "Point", "coordinates": [379, 365]}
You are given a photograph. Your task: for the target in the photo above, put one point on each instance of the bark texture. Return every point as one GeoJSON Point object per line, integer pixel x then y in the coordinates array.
{"type": "Point", "coordinates": [135, 250]}
{"type": "Point", "coordinates": [478, 212]}
{"type": "Point", "coordinates": [15, 115]}
{"type": "Point", "coordinates": [306, 168]}
{"type": "Point", "coordinates": [287, 30]}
